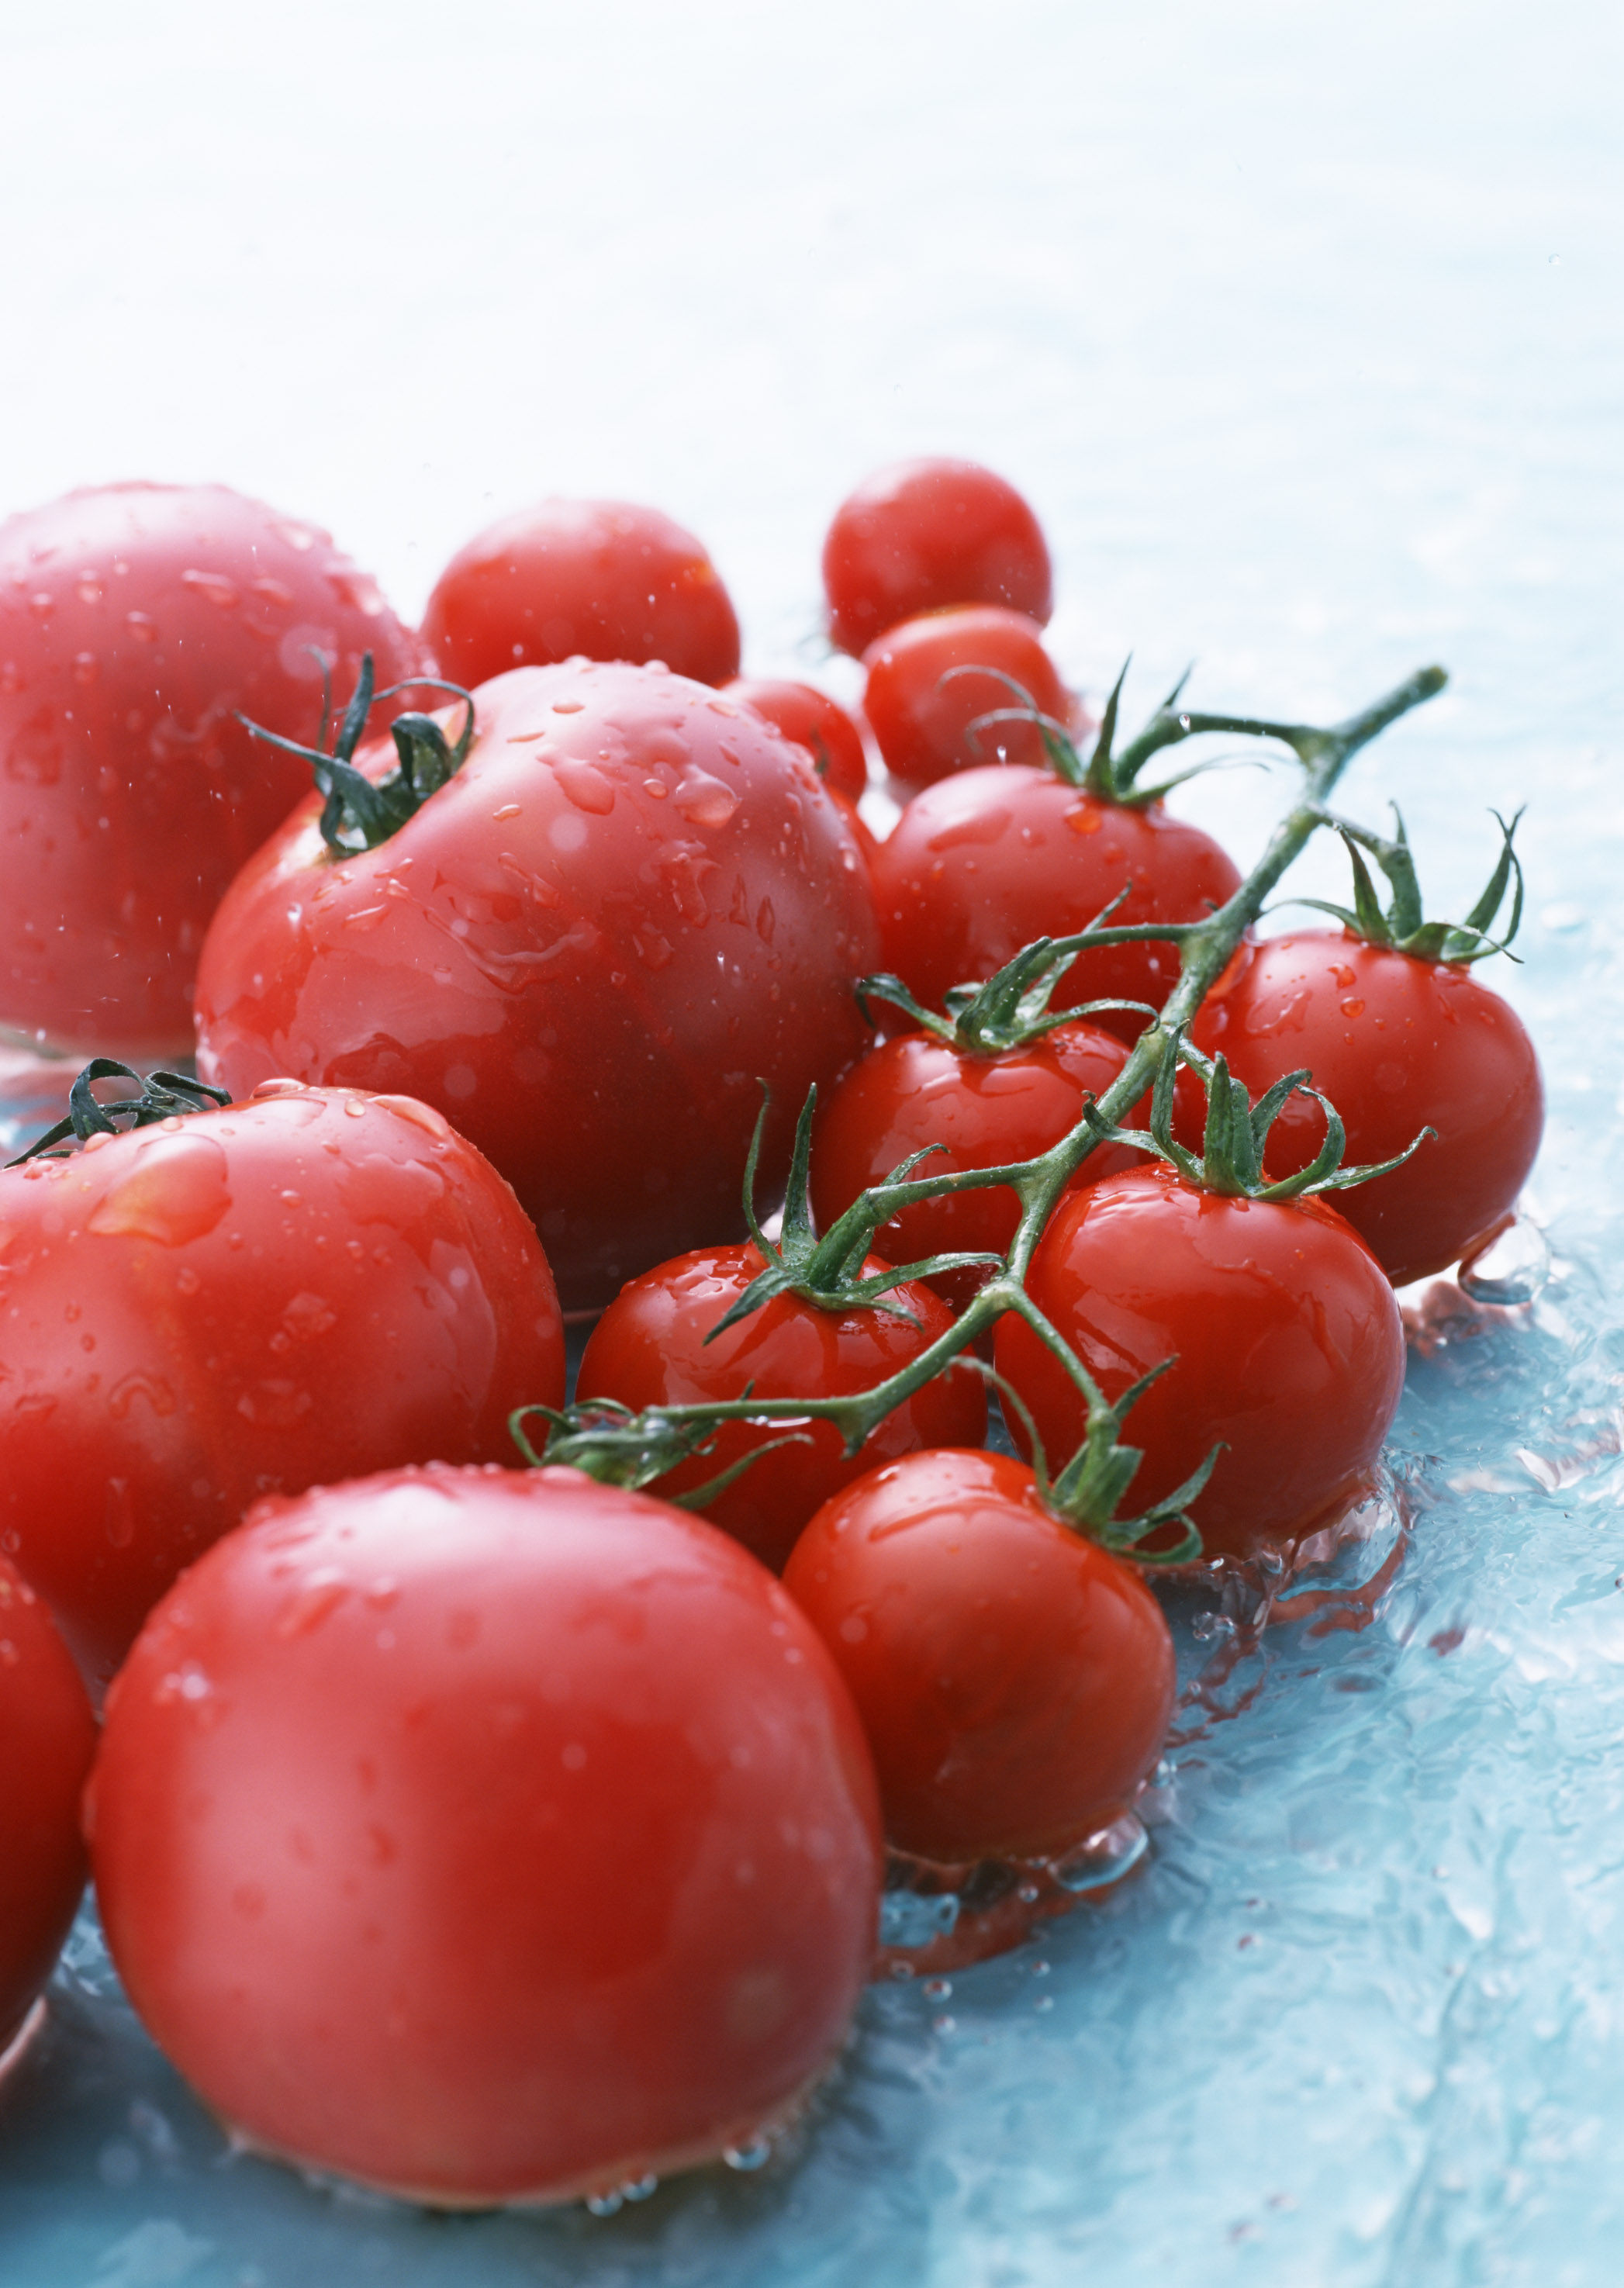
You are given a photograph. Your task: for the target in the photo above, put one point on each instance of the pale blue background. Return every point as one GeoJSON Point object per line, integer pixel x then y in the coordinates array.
{"type": "Point", "coordinates": [1301, 325]}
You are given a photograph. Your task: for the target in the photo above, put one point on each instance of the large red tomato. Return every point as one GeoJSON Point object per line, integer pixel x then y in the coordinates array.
{"type": "Point", "coordinates": [136, 622]}
{"type": "Point", "coordinates": [1014, 1679]}
{"type": "Point", "coordinates": [605, 578]}
{"type": "Point", "coordinates": [281, 1294]}
{"type": "Point", "coordinates": [651, 1348]}
{"type": "Point", "coordinates": [922, 534]}
{"type": "Point", "coordinates": [931, 679]}
{"type": "Point", "coordinates": [1289, 1345]}
{"type": "Point", "coordinates": [47, 1738]}
{"type": "Point", "coordinates": [1397, 1043]}
{"type": "Point", "coordinates": [486, 1836]}
{"type": "Point", "coordinates": [915, 1090]}
{"type": "Point", "coordinates": [633, 899]}
{"type": "Point", "coordinates": [986, 860]}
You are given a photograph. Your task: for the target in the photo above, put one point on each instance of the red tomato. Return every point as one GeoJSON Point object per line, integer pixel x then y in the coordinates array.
{"type": "Point", "coordinates": [486, 1836]}
{"type": "Point", "coordinates": [922, 534]}
{"type": "Point", "coordinates": [923, 722]}
{"type": "Point", "coordinates": [814, 721]}
{"type": "Point", "coordinates": [1288, 1341]}
{"type": "Point", "coordinates": [633, 899]}
{"type": "Point", "coordinates": [979, 865]}
{"type": "Point", "coordinates": [1397, 1044]}
{"type": "Point", "coordinates": [47, 1738]}
{"type": "Point", "coordinates": [649, 1349]}
{"type": "Point", "coordinates": [135, 622]}
{"type": "Point", "coordinates": [1015, 1680]}
{"type": "Point", "coordinates": [915, 1089]}
{"type": "Point", "coordinates": [857, 825]}
{"type": "Point", "coordinates": [276, 1295]}
{"type": "Point", "coordinates": [605, 578]}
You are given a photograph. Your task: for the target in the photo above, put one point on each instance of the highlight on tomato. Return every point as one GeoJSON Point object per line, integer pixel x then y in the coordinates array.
{"type": "Point", "coordinates": [583, 933]}
{"type": "Point", "coordinates": [1387, 1014]}
{"type": "Point", "coordinates": [606, 579]}
{"type": "Point", "coordinates": [961, 689]}
{"type": "Point", "coordinates": [47, 1738]}
{"type": "Point", "coordinates": [922, 534]}
{"type": "Point", "coordinates": [232, 1299]}
{"type": "Point", "coordinates": [138, 624]}
{"type": "Point", "coordinates": [487, 1836]}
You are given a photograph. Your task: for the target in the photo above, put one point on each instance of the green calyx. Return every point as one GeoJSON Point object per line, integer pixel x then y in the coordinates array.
{"type": "Point", "coordinates": [1401, 929]}
{"type": "Point", "coordinates": [615, 1446]}
{"type": "Point", "coordinates": [1011, 1010]}
{"type": "Point", "coordinates": [356, 814]}
{"type": "Point", "coordinates": [827, 1272]}
{"type": "Point", "coordinates": [1230, 1160]}
{"type": "Point", "coordinates": [159, 1096]}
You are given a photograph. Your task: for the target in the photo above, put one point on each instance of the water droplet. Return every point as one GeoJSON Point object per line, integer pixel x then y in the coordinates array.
{"type": "Point", "coordinates": [321, 1594]}
{"type": "Point", "coordinates": [1512, 1268]}
{"type": "Point", "coordinates": [143, 629]}
{"type": "Point", "coordinates": [939, 1990]}
{"type": "Point", "coordinates": [604, 2205]}
{"type": "Point", "coordinates": [224, 594]}
{"type": "Point", "coordinates": [639, 2188]}
{"type": "Point", "coordinates": [755, 2152]}
{"type": "Point", "coordinates": [1102, 1857]}
{"type": "Point", "coordinates": [174, 1192]}
{"type": "Point", "coordinates": [705, 801]}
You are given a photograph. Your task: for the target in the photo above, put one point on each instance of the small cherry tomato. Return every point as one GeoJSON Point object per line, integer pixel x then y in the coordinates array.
{"type": "Point", "coordinates": [650, 1349]}
{"type": "Point", "coordinates": [922, 534]}
{"type": "Point", "coordinates": [47, 1738]}
{"type": "Point", "coordinates": [931, 679]}
{"type": "Point", "coordinates": [1397, 1043]}
{"type": "Point", "coordinates": [1289, 1345]}
{"type": "Point", "coordinates": [814, 721]}
{"type": "Point", "coordinates": [281, 1293]}
{"type": "Point", "coordinates": [632, 900]}
{"type": "Point", "coordinates": [1014, 1679]}
{"type": "Point", "coordinates": [982, 863]}
{"type": "Point", "coordinates": [603, 578]}
{"type": "Point", "coordinates": [914, 1090]}
{"type": "Point", "coordinates": [486, 1836]}
{"type": "Point", "coordinates": [136, 622]}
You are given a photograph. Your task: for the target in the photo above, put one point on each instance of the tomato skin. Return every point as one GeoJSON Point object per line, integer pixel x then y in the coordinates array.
{"type": "Point", "coordinates": [606, 578]}
{"type": "Point", "coordinates": [1397, 1044]}
{"type": "Point", "coordinates": [281, 1294]}
{"type": "Point", "coordinates": [922, 724]}
{"type": "Point", "coordinates": [814, 721]}
{"type": "Point", "coordinates": [633, 894]}
{"type": "Point", "coordinates": [47, 1738]}
{"type": "Point", "coordinates": [649, 1349]}
{"type": "Point", "coordinates": [1015, 1680]}
{"type": "Point", "coordinates": [915, 1089]}
{"type": "Point", "coordinates": [1289, 1339]}
{"type": "Point", "coordinates": [921, 534]}
{"type": "Point", "coordinates": [486, 1835]}
{"type": "Point", "coordinates": [135, 622]}
{"type": "Point", "coordinates": [983, 861]}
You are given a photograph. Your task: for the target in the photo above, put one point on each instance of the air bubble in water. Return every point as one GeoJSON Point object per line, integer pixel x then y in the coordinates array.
{"type": "Point", "coordinates": [754, 2154]}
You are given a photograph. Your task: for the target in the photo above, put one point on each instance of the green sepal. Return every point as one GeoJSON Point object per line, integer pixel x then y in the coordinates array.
{"type": "Point", "coordinates": [1011, 1010]}
{"type": "Point", "coordinates": [1401, 928]}
{"type": "Point", "coordinates": [615, 1446]}
{"type": "Point", "coordinates": [164, 1096]}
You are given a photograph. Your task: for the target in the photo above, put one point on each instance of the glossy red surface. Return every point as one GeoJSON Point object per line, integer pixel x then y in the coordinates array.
{"type": "Point", "coordinates": [136, 622]}
{"type": "Point", "coordinates": [1015, 1680]}
{"type": "Point", "coordinates": [649, 1348]}
{"type": "Point", "coordinates": [47, 1738]}
{"type": "Point", "coordinates": [922, 701]}
{"type": "Point", "coordinates": [921, 534]}
{"type": "Point", "coordinates": [814, 721]}
{"type": "Point", "coordinates": [1286, 1333]}
{"type": "Point", "coordinates": [633, 901]}
{"type": "Point", "coordinates": [486, 1835]}
{"type": "Point", "coordinates": [1398, 1044]}
{"type": "Point", "coordinates": [281, 1294]}
{"type": "Point", "coordinates": [605, 578]}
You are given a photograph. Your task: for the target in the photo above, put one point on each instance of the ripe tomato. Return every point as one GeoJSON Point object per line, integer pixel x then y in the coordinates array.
{"type": "Point", "coordinates": [1014, 1679]}
{"type": "Point", "coordinates": [1397, 1044]}
{"type": "Point", "coordinates": [135, 622]}
{"type": "Point", "coordinates": [276, 1295]}
{"type": "Point", "coordinates": [915, 1089]}
{"type": "Point", "coordinates": [922, 534]}
{"type": "Point", "coordinates": [632, 900]}
{"type": "Point", "coordinates": [486, 1836]}
{"type": "Point", "coordinates": [605, 578]}
{"type": "Point", "coordinates": [47, 1738]}
{"type": "Point", "coordinates": [920, 701]}
{"type": "Point", "coordinates": [987, 860]}
{"type": "Point", "coordinates": [814, 721]}
{"type": "Point", "coordinates": [1289, 1340]}
{"type": "Point", "coordinates": [649, 1349]}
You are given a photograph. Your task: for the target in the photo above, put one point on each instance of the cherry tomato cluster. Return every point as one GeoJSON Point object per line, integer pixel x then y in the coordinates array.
{"type": "Point", "coordinates": [494, 1797]}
